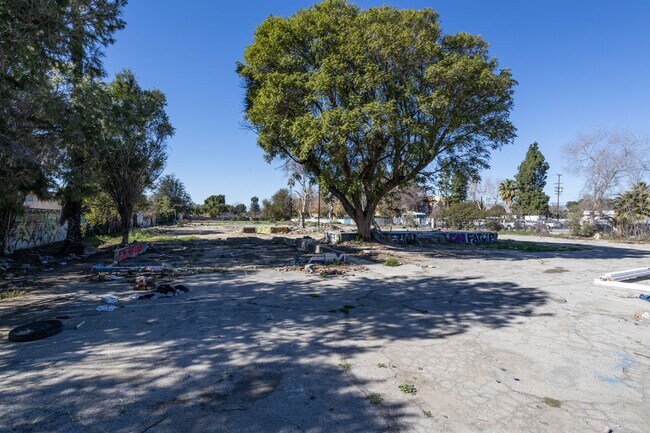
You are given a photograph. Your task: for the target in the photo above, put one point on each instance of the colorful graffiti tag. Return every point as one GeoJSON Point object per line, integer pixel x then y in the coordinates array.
{"type": "Point", "coordinates": [130, 251]}
{"type": "Point", "coordinates": [37, 227]}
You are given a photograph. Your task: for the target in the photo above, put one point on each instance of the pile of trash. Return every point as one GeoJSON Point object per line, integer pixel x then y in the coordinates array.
{"type": "Point", "coordinates": [162, 291]}
{"type": "Point", "coordinates": [142, 283]}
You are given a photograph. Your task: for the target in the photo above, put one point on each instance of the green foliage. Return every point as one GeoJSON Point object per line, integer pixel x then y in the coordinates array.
{"type": "Point", "coordinates": [368, 100]}
{"type": "Point", "coordinates": [375, 398]}
{"type": "Point", "coordinates": [633, 204]}
{"type": "Point", "coordinates": [215, 205]}
{"type": "Point", "coordinates": [254, 208]}
{"type": "Point", "coordinates": [530, 182]}
{"type": "Point", "coordinates": [101, 213]}
{"type": "Point", "coordinates": [632, 207]}
{"type": "Point", "coordinates": [391, 261]}
{"type": "Point", "coordinates": [461, 216]}
{"type": "Point", "coordinates": [508, 192]}
{"type": "Point", "coordinates": [408, 389]}
{"type": "Point", "coordinates": [11, 293]}
{"type": "Point", "coordinates": [459, 186]}
{"type": "Point", "coordinates": [493, 225]}
{"type": "Point", "coordinates": [171, 199]}
{"type": "Point", "coordinates": [134, 154]}
{"type": "Point", "coordinates": [496, 211]}
{"type": "Point", "coordinates": [279, 208]}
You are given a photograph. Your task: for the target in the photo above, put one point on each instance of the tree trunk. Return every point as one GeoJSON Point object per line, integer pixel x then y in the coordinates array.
{"type": "Point", "coordinates": [7, 223]}
{"type": "Point", "coordinates": [74, 239]}
{"type": "Point", "coordinates": [125, 224]}
{"type": "Point", "coordinates": [364, 225]}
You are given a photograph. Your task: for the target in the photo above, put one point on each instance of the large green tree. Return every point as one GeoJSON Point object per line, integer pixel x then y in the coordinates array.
{"type": "Point", "coordinates": [90, 26]}
{"type": "Point", "coordinates": [135, 150]}
{"type": "Point", "coordinates": [171, 191]}
{"type": "Point", "coordinates": [30, 103]}
{"type": "Point", "coordinates": [530, 181]}
{"type": "Point", "coordinates": [215, 205]}
{"type": "Point", "coordinates": [368, 100]}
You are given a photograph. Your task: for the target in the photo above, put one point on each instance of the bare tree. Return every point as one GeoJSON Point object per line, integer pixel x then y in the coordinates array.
{"type": "Point", "coordinates": [606, 159]}
{"type": "Point", "coordinates": [489, 188]}
{"type": "Point", "coordinates": [301, 182]}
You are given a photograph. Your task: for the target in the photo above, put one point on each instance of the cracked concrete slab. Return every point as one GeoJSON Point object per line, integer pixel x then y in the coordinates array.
{"type": "Point", "coordinates": [482, 336]}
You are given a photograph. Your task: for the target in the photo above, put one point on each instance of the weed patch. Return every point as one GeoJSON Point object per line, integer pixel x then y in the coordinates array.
{"type": "Point", "coordinates": [407, 388]}
{"type": "Point", "coordinates": [552, 402]}
{"type": "Point", "coordinates": [7, 294]}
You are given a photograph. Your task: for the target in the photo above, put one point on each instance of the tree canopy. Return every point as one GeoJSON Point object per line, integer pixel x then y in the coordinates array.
{"type": "Point", "coordinates": [368, 100]}
{"type": "Point", "coordinates": [530, 181]}
{"type": "Point", "coordinates": [134, 154]}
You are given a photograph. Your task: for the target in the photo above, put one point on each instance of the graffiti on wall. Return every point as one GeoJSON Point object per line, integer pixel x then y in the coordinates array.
{"type": "Point", "coordinates": [37, 227]}
{"type": "Point", "coordinates": [475, 238]}
{"type": "Point", "coordinates": [129, 251]}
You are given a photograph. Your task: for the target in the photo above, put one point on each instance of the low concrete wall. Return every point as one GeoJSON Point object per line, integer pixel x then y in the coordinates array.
{"type": "Point", "coordinates": [37, 227]}
{"type": "Point", "coordinates": [267, 230]}
{"type": "Point", "coordinates": [408, 237]}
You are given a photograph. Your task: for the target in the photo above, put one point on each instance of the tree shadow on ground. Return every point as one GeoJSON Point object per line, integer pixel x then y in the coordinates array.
{"type": "Point", "coordinates": [237, 354]}
{"type": "Point", "coordinates": [520, 252]}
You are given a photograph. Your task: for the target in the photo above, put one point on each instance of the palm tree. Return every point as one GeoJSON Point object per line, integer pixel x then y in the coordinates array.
{"type": "Point", "coordinates": [632, 205]}
{"type": "Point", "coordinates": [507, 192]}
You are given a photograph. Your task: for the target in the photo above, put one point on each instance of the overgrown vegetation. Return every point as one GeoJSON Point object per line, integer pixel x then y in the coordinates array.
{"type": "Point", "coordinates": [12, 293]}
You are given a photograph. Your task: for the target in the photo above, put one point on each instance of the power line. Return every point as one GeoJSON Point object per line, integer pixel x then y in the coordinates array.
{"type": "Point", "coordinates": [558, 191]}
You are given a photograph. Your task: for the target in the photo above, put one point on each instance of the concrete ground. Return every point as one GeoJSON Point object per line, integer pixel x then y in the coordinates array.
{"type": "Point", "coordinates": [455, 340]}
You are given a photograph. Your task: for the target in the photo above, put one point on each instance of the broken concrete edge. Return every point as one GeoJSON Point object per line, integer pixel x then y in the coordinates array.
{"type": "Point", "coordinates": [112, 268]}
{"type": "Point", "coordinates": [128, 251]}
{"type": "Point", "coordinates": [622, 285]}
{"type": "Point", "coordinates": [410, 237]}
{"type": "Point", "coordinates": [324, 254]}
{"type": "Point", "coordinates": [266, 230]}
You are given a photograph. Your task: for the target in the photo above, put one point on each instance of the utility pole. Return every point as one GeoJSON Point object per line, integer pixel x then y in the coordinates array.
{"type": "Point", "coordinates": [558, 191]}
{"type": "Point", "coordinates": [318, 205]}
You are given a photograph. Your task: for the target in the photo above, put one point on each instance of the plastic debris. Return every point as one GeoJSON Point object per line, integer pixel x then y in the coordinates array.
{"type": "Point", "coordinates": [79, 325]}
{"type": "Point", "coordinates": [109, 300]}
{"type": "Point", "coordinates": [112, 277]}
{"type": "Point", "coordinates": [645, 315]}
{"type": "Point", "coordinates": [644, 297]}
{"type": "Point", "coordinates": [106, 308]}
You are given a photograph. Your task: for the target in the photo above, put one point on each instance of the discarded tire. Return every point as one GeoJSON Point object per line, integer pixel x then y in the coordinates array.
{"type": "Point", "coordinates": [36, 330]}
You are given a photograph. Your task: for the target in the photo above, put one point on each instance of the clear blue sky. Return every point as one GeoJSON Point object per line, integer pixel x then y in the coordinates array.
{"type": "Point", "coordinates": [579, 64]}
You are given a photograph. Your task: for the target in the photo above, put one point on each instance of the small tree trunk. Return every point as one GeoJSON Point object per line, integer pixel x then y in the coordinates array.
{"type": "Point", "coordinates": [7, 223]}
{"type": "Point", "coordinates": [125, 224]}
{"type": "Point", "coordinates": [74, 239]}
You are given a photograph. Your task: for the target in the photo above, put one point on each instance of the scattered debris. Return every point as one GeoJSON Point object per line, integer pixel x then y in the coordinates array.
{"type": "Point", "coordinates": [35, 330]}
{"type": "Point", "coordinates": [79, 325]}
{"type": "Point", "coordinates": [112, 277]}
{"type": "Point", "coordinates": [162, 291]}
{"type": "Point", "coordinates": [144, 283]}
{"type": "Point", "coordinates": [109, 300]}
{"type": "Point", "coordinates": [644, 297]}
{"type": "Point", "coordinates": [106, 308]}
